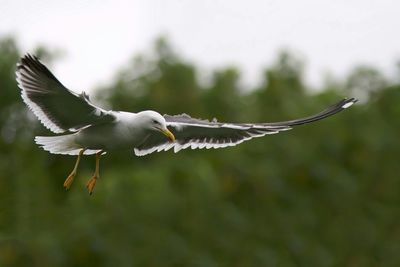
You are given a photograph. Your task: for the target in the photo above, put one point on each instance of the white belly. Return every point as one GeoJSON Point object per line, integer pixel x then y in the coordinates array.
{"type": "Point", "coordinates": [110, 137]}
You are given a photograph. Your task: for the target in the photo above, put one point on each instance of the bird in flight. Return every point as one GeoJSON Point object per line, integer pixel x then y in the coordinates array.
{"type": "Point", "coordinates": [86, 129]}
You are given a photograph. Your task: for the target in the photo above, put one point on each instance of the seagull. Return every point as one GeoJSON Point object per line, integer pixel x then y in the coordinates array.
{"type": "Point", "coordinates": [86, 129]}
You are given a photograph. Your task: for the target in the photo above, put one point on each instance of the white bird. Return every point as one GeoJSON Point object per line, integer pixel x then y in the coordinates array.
{"type": "Point", "coordinates": [88, 129]}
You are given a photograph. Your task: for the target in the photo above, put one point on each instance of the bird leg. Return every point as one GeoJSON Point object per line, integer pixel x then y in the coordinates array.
{"type": "Point", "coordinates": [92, 182]}
{"type": "Point", "coordinates": [70, 178]}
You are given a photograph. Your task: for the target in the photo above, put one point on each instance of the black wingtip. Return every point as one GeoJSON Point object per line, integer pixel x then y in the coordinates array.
{"type": "Point", "coordinates": [32, 64]}
{"type": "Point", "coordinates": [28, 60]}
{"type": "Point", "coordinates": [332, 110]}
{"type": "Point", "coordinates": [348, 102]}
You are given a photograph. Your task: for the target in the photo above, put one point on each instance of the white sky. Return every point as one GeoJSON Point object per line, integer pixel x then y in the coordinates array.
{"type": "Point", "coordinates": [100, 36]}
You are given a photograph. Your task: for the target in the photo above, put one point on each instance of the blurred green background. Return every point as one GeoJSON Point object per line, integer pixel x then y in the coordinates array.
{"type": "Point", "coordinates": [325, 194]}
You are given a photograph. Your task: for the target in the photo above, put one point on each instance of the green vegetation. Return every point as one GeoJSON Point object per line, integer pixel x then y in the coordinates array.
{"type": "Point", "coordinates": [326, 194]}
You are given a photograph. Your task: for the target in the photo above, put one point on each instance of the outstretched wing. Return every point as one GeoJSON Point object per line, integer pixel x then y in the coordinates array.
{"type": "Point", "coordinates": [57, 108]}
{"type": "Point", "coordinates": [196, 133]}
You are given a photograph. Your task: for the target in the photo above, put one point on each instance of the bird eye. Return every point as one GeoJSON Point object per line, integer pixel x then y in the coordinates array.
{"type": "Point", "coordinates": [155, 122]}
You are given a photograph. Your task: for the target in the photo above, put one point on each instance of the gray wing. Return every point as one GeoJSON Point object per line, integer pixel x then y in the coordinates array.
{"type": "Point", "coordinates": [197, 134]}
{"type": "Point", "coordinates": [57, 108]}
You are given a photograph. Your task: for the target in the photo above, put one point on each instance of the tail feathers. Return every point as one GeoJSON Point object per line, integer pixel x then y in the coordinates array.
{"type": "Point", "coordinates": [62, 144]}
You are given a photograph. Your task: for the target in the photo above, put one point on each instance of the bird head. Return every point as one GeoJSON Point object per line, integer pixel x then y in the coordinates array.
{"type": "Point", "coordinates": [156, 122]}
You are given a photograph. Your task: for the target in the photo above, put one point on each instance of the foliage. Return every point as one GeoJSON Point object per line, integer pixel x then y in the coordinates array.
{"type": "Point", "coordinates": [325, 194]}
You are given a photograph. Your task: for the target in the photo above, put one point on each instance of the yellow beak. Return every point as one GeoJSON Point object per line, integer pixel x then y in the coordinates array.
{"type": "Point", "coordinates": [168, 134]}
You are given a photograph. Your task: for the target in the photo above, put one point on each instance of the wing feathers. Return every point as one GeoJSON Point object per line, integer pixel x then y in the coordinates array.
{"type": "Point", "coordinates": [345, 103]}
{"type": "Point", "coordinates": [199, 134]}
{"type": "Point", "coordinates": [58, 108]}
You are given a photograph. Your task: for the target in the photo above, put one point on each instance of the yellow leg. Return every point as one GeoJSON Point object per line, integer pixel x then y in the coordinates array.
{"type": "Point", "coordinates": [70, 178]}
{"type": "Point", "coordinates": [92, 182]}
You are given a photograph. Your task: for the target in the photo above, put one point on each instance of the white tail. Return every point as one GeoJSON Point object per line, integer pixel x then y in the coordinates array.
{"type": "Point", "coordinates": [62, 144]}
